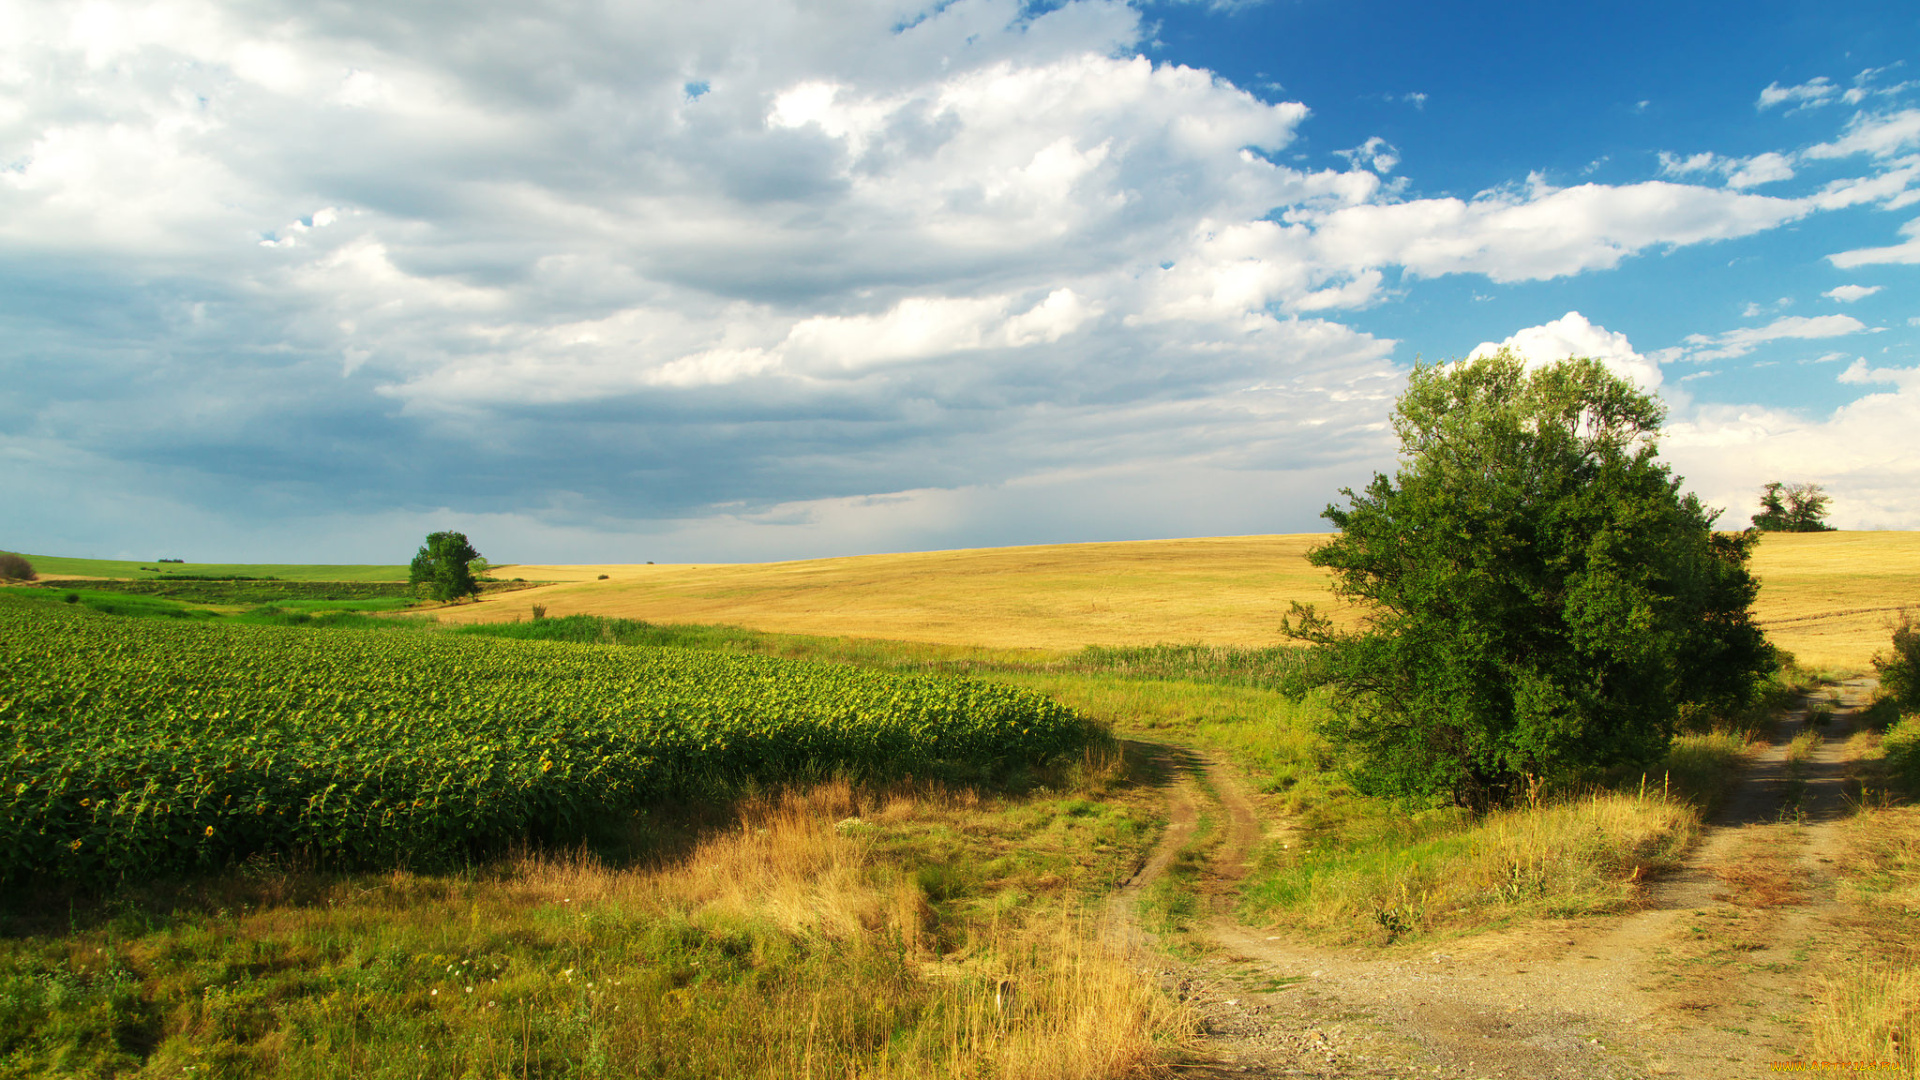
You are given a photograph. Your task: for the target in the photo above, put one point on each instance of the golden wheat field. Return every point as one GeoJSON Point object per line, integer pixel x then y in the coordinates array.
{"type": "Point", "coordinates": [1828, 597]}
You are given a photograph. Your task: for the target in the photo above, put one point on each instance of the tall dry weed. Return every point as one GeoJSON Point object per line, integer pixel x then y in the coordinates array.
{"type": "Point", "coordinates": [1869, 1013]}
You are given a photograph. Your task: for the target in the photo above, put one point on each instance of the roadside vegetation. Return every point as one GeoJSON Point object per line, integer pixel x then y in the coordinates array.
{"type": "Point", "coordinates": [1868, 1007]}
{"type": "Point", "coordinates": [909, 931]}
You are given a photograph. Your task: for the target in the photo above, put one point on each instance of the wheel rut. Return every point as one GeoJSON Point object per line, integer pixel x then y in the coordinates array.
{"type": "Point", "coordinates": [1705, 979]}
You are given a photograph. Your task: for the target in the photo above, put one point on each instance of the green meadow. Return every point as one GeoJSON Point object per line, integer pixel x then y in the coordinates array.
{"type": "Point", "coordinates": [139, 569]}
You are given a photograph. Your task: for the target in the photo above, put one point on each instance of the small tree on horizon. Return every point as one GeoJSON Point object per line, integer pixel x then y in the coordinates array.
{"type": "Point", "coordinates": [1792, 508]}
{"type": "Point", "coordinates": [442, 566]}
{"type": "Point", "coordinates": [16, 568]}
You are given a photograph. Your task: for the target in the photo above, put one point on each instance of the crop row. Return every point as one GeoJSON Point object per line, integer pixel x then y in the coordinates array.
{"type": "Point", "coordinates": [135, 746]}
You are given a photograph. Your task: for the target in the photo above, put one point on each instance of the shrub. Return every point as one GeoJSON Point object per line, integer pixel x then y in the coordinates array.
{"type": "Point", "coordinates": [1543, 600]}
{"type": "Point", "coordinates": [15, 568]}
{"type": "Point", "coordinates": [1899, 667]}
{"type": "Point", "coordinates": [1902, 745]}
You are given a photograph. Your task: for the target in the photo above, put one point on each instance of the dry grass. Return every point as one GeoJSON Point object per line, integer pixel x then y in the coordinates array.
{"type": "Point", "coordinates": [1868, 1010]}
{"type": "Point", "coordinates": [1444, 871]}
{"type": "Point", "coordinates": [1826, 597]}
{"type": "Point", "coordinates": [1035, 998]}
{"type": "Point", "coordinates": [1869, 1013]}
{"type": "Point", "coordinates": [1764, 879]}
{"type": "Point", "coordinates": [828, 933]}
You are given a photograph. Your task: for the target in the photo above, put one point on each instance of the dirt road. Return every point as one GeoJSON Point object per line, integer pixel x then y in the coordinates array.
{"type": "Point", "coordinates": [1705, 980]}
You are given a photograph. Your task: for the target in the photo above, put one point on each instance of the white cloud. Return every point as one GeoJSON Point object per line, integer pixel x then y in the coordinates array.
{"type": "Point", "coordinates": [1700, 348]}
{"type": "Point", "coordinates": [1817, 91]}
{"type": "Point", "coordinates": [1572, 335]}
{"type": "Point", "coordinates": [1861, 452]}
{"type": "Point", "coordinates": [1858, 372]}
{"type": "Point", "coordinates": [1847, 294]}
{"type": "Point", "coordinates": [1876, 135]}
{"type": "Point", "coordinates": [1760, 169]}
{"type": "Point", "coordinates": [1740, 173]}
{"type": "Point", "coordinates": [1543, 232]}
{"type": "Point", "coordinates": [748, 254]}
{"type": "Point", "coordinates": [1376, 153]}
{"type": "Point", "coordinates": [1892, 187]}
{"type": "Point", "coordinates": [918, 328]}
{"type": "Point", "coordinates": [1907, 253]}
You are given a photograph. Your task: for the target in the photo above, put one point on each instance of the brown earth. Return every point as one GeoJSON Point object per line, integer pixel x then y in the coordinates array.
{"type": "Point", "coordinates": [1706, 979]}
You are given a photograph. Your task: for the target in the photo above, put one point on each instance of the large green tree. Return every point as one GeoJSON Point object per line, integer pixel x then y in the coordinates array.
{"type": "Point", "coordinates": [442, 566]}
{"type": "Point", "coordinates": [1540, 598]}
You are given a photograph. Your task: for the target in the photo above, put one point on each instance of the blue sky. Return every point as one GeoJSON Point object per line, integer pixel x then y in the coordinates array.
{"type": "Point", "coordinates": [765, 280]}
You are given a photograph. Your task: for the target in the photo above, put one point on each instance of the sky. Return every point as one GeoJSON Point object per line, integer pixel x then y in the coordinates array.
{"type": "Point", "coordinates": [744, 281]}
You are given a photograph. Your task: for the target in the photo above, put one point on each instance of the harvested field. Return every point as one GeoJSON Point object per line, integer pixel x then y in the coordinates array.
{"type": "Point", "coordinates": [1828, 597]}
{"type": "Point", "coordinates": [1228, 590]}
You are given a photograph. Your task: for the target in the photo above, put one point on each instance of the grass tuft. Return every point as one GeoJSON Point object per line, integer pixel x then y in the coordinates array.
{"type": "Point", "coordinates": [1869, 1009]}
{"type": "Point", "coordinates": [1384, 876]}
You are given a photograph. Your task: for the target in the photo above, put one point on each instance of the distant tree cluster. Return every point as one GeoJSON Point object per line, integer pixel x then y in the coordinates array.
{"type": "Point", "coordinates": [1792, 508]}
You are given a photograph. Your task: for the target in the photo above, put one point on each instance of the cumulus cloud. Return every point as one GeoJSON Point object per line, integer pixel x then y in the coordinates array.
{"type": "Point", "coordinates": [1540, 232]}
{"type": "Point", "coordinates": [1861, 451]}
{"type": "Point", "coordinates": [1822, 90]}
{"type": "Point", "coordinates": [1701, 348]}
{"type": "Point", "coordinates": [1572, 335]}
{"type": "Point", "coordinates": [1847, 294]}
{"type": "Point", "coordinates": [1877, 135]}
{"type": "Point", "coordinates": [1745, 172]}
{"type": "Point", "coordinates": [631, 268]}
{"type": "Point", "coordinates": [1887, 137]}
{"type": "Point", "coordinates": [1376, 153]}
{"type": "Point", "coordinates": [1908, 252]}
{"type": "Point", "coordinates": [1725, 452]}
{"type": "Point", "coordinates": [1816, 91]}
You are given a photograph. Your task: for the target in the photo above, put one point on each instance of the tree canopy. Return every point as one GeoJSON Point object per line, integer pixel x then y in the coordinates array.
{"type": "Point", "coordinates": [442, 566]}
{"type": "Point", "coordinates": [1792, 508]}
{"type": "Point", "coordinates": [1540, 598]}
